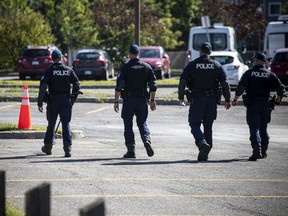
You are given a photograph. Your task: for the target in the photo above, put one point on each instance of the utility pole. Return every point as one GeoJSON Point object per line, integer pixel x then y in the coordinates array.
{"type": "Point", "coordinates": [137, 22]}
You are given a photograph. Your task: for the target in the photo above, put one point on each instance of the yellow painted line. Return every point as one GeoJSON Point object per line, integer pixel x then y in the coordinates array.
{"type": "Point", "coordinates": [148, 179]}
{"type": "Point", "coordinates": [204, 196]}
{"type": "Point", "coordinates": [98, 110]}
{"type": "Point", "coordinates": [5, 107]}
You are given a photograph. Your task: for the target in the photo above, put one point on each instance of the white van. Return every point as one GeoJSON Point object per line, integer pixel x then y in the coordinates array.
{"type": "Point", "coordinates": [222, 38]}
{"type": "Point", "coordinates": [276, 36]}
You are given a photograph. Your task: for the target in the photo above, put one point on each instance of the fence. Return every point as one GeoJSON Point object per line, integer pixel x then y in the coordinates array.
{"type": "Point", "coordinates": [37, 201]}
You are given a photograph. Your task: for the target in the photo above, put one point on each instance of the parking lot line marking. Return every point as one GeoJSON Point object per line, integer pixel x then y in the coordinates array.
{"type": "Point", "coordinates": [8, 106]}
{"type": "Point", "coordinates": [195, 196]}
{"type": "Point", "coordinates": [98, 110]}
{"type": "Point", "coordinates": [149, 179]}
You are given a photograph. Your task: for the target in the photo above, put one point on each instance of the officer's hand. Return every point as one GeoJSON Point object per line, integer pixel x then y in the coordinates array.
{"type": "Point", "coordinates": [234, 103]}
{"type": "Point", "coordinates": [152, 105]}
{"type": "Point", "coordinates": [227, 105]}
{"type": "Point", "coordinates": [278, 100]}
{"type": "Point", "coordinates": [40, 108]}
{"type": "Point", "coordinates": [182, 102]}
{"type": "Point", "coordinates": [116, 107]}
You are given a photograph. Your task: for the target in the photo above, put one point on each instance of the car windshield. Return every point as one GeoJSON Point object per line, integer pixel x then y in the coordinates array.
{"type": "Point", "coordinates": [217, 40]}
{"type": "Point", "coordinates": [88, 56]}
{"type": "Point", "coordinates": [153, 53]}
{"type": "Point", "coordinates": [281, 57]}
{"type": "Point", "coordinates": [36, 52]}
{"type": "Point", "coordinates": [223, 59]}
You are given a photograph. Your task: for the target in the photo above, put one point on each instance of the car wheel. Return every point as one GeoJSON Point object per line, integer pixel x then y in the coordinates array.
{"type": "Point", "coordinates": [105, 76]}
{"type": "Point", "coordinates": [168, 74]}
{"type": "Point", "coordinates": [112, 73]}
{"type": "Point", "coordinates": [22, 77]}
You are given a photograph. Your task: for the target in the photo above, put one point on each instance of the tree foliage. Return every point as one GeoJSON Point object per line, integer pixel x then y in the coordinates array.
{"type": "Point", "coordinates": [111, 24]}
{"type": "Point", "coordinates": [19, 27]}
{"type": "Point", "coordinates": [71, 21]}
{"type": "Point", "coordinates": [249, 23]}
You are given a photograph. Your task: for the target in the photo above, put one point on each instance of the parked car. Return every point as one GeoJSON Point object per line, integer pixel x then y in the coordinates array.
{"type": "Point", "coordinates": [35, 60]}
{"type": "Point", "coordinates": [93, 63]}
{"type": "Point", "coordinates": [279, 64]}
{"type": "Point", "coordinates": [232, 64]}
{"type": "Point", "coordinates": [158, 59]}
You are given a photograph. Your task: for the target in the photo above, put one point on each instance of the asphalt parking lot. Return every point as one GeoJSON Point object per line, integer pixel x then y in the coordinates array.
{"type": "Point", "coordinates": [172, 182]}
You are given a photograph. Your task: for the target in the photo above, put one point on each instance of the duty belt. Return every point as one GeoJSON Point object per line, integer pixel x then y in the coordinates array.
{"type": "Point", "coordinates": [202, 92]}
{"type": "Point", "coordinates": [136, 94]}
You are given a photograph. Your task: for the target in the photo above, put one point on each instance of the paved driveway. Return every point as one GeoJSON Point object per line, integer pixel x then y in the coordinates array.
{"type": "Point", "coordinates": [170, 183]}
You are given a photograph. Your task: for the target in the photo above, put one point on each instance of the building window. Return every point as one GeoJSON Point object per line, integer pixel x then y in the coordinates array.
{"type": "Point", "coordinates": [274, 9]}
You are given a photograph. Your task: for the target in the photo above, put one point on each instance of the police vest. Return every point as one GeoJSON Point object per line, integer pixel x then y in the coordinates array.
{"type": "Point", "coordinates": [136, 77]}
{"type": "Point", "coordinates": [204, 74]}
{"type": "Point", "coordinates": [259, 82]}
{"type": "Point", "coordinates": [60, 78]}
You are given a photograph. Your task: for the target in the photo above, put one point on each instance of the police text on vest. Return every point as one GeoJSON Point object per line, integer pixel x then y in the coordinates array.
{"type": "Point", "coordinates": [260, 74]}
{"type": "Point", "coordinates": [61, 73]}
{"type": "Point", "coordinates": [204, 66]}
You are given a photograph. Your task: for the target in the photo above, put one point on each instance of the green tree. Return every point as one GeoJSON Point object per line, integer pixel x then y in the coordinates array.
{"type": "Point", "coordinates": [19, 27]}
{"type": "Point", "coordinates": [249, 23]}
{"type": "Point", "coordinates": [115, 20]}
{"type": "Point", "coordinates": [284, 9]}
{"type": "Point", "coordinates": [70, 21]}
{"type": "Point", "coordinates": [183, 14]}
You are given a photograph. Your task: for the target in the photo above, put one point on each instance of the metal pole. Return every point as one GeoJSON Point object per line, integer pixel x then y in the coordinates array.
{"type": "Point", "coordinates": [137, 22]}
{"type": "Point", "coordinates": [2, 194]}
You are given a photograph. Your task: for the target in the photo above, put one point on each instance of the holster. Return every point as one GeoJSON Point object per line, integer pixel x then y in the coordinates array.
{"type": "Point", "coordinates": [47, 97]}
{"type": "Point", "coordinates": [246, 100]}
{"type": "Point", "coordinates": [219, 94]}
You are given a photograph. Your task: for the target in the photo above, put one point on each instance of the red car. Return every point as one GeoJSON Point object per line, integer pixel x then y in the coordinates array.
{"type": "Point", "coordinates": [279, 64]}
{"type": "Point", "coordinates": [158, 59]}
{"type": "Point", "coordinates": [35, 60]}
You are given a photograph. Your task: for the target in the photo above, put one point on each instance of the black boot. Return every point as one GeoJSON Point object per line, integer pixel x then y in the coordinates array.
{"type": "Point", "coordinates": [254, 157]}
{"type": "Point", "coordinates": [149, 149]}
{"type": "Point", "coordinates": [47, 150]}
{"type": "Point", "coordinates": [129, 155]}
{"type": "Point", "coordinates": [204, 149]}
{"type": "Point", "coordinates": [147, 144]}
{"type": "Point", "coordinates": [264, 151]}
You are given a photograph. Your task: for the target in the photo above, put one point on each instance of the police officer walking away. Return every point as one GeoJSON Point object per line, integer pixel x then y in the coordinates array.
{"type": "Point", "coordinates": [202, 76]}
{"type": "Point", "coordinates": [258, 82]}
{"type": "Point", "coordinates": [58, 79]}
{"type": "Point", "coordinates": [132, 84]}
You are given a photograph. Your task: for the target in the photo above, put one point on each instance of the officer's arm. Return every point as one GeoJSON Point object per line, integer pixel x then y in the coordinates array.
{"type": "Point", "coordinates": [183, 83]}
{"type": "Point", "coordinates": [226, 91]}
{"type": "Point", "coordinates": [243, 83]}
{"type": "Point", "coordinates": [152, 81]}
{"type": "Point", "coordinates": [42, 90]}
{"type": "Point", "coordinates": [75, 82]}
{"type": "Point", "coordinates": [41, 95]}
{"type": "Point", "coordinates": [120, 81]}
{"type": "Point", "coordinates": [280, 88]}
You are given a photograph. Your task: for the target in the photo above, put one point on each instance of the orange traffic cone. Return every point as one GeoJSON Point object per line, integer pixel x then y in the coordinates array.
{"type": "Point", "coordinates": [25, 117]}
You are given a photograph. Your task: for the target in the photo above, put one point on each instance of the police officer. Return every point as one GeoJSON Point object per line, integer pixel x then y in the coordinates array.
{"type": "Point", "coordinates": [258, 82]}
{"type": "Point", "coordinates": [132, 84]}
{"type": "Point", "coordinates": [202, 76]}
{"type": "Point", "coordinates": [58, 79]}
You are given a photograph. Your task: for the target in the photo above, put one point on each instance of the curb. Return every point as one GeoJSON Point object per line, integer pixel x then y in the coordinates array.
{"type": "Point", "coordinates": [25, 134]}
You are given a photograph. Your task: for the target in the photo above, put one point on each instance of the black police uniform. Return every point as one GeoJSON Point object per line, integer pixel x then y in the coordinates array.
{"type": "Point", "coordinates": [258, 82]}
{"type": "Point", "coordinates": [58, 79]}
{"type": "Point", "coordinates": [202, 76]}
{"type": "Point", "coordinates": [132, 82]}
